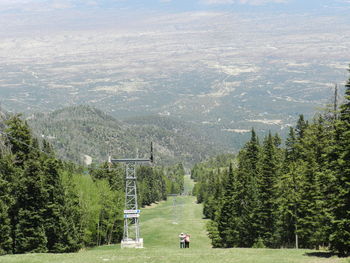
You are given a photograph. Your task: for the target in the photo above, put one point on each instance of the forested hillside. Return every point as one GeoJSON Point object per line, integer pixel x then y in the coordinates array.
{"type": "Point", "coordinates": [50, 205]}
{"type": "Point", "coordinates": [275, 195]}
{"type": "Point", "coordinates": [83, 130]}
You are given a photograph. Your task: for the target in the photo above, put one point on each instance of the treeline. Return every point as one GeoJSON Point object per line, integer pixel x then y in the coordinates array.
{"type": "Point", "coordinates": [284, 196]}
{"type": "Point", "coordinates": [47, 205]}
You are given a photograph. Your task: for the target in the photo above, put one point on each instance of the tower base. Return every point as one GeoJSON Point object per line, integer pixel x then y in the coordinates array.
{"type": "Point", "coordinates": [130, 243]}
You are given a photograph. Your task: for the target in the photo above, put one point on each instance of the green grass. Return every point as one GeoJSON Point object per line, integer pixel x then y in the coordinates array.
{"type": "Point", "coordinates": [160, 228]}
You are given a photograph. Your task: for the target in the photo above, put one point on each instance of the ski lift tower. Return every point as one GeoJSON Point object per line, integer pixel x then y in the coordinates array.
{"type": "Point", "coordinates": [131, 235]}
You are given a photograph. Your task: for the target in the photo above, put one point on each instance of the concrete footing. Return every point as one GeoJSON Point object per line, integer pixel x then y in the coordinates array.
{"type": "Point", "coordinates": [130, 243]}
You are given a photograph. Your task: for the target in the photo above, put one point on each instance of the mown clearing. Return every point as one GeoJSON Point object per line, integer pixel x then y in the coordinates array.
{"type": "Point", "coordinates": [161, 225]}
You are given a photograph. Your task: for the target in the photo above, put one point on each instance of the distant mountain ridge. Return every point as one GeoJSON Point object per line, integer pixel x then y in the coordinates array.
{"type": "Point", "coordinates": [84, 130]}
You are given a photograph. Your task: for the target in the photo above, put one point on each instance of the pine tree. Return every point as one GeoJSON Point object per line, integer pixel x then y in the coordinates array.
{"type": "Point", "coordinates": [340, 238]}
{"type": "Point", "coordinates": [325, 178]}
{"type": "Point", "coordinates": [228, 221]}
{"type": "Point", "coordinates": [288, 200]}
{"type": "Point", "coordinates": [20, 139]}
{"type": "Point", "coordinates": [317, 188]}
{"type": "Point", "coordinates": [213, 233]}
{"type": "Point", "coordinates": [301, 127]}
{"type": "Point", "coordinates": [290, 151]}
{"type": "Point", "coordinates": [30, 232]}
{"type": "Point", "coordinates": [288, 196]}
{"type": "Point", "coordinates": [148, 191]}
{"type": "Point", "coordinates": [6, 201]}
{"type": "Point", "coordinates": [247, 194]}
{"type": "Point", "coordinates": [114, 175]}
{"type": "Point", "coordinates": [73, 217]}
{"type": "Point", "coordinates": [27, 189]}
{"type": "Point", "coordinates": [267, 191]}
{"type": "Point", "coordinates": [56, 224]}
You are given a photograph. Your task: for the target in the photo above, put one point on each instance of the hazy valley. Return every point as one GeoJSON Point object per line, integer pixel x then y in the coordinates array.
{"type": "Point", "coordinates": [255, 71]}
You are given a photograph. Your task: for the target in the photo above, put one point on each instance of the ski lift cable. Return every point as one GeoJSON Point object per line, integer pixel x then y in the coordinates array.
{"type": "Point", "coordinates": [48, 155]}
{"type": "Point", "coordinates": [17, 140]}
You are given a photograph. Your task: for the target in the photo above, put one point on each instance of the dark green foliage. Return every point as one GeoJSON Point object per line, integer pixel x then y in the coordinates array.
{"type": "Point", "coordinates": [78, 130]}
{"type": "Point", "coordinates": [298, 195]}
{"type": "Point", "coordinates": [301, 126]}
{"type": "Point", "coordinates": [270, 164]}
{"type": "Point", "coordinates": [248, 174]}
{"type": "Point", "coordinates": [310, 211]}
{"type": "Point", "coordinates": [114, 175]}
{"type": "Point", "coordinates": [73, 215]}
{"type": "Point", "coordinates": [242, 199]}
{"type": "Point", "coordinates": [30, 233]}
{"type": "Point", "coordinates": [55, 203]}
{"type": "Point", "coordinates": [174, 179]}
{"type": "Point", "coordinates": [288, 194]}
{"type": "Point", "coordinates": [213, 233]}
{"type": "Point", "coordinates": [259, 243]}
{"type": "Point", "coordinates": [340, 238]}
{"type": "Point", "coordinates": [60, 228]}
{"type": "Point", "coordinates": [228, 219]}
{"type": "Point", "coordinates": [6, 201]}
{"type": "Point", "coordinates": [47, 205]}
{"type": "Point", "coordinates": [20, 139]}
{"type": "Point", "coordinates": [151, 182]}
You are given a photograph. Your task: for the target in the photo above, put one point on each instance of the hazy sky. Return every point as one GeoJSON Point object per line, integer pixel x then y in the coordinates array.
{"type": "Point", "coordinates": [21, 17]}
{"type": "Point", "coordinates": [7, 6]}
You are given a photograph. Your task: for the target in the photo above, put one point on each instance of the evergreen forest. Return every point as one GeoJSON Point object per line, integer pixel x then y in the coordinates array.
{"type": "Point", "coordinates": [292, 193]}
{"type": "Point", "coordinates": [50, 205]}
{"type": "Point", "coordinates": [83, 130]}
{"type": "Point", "coordinates": [283, 195]}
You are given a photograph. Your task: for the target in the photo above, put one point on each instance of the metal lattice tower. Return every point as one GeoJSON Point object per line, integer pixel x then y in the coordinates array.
{"type": "Point", "coordinates": [131, 234]}
{"type": "Point", "coordinates": [131, 220]}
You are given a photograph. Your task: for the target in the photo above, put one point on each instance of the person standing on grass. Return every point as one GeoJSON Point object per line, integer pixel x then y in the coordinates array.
{"type": "Point", "coordinates": [187, 240]}
{"type": "Point", "coordinates": [182, 237]}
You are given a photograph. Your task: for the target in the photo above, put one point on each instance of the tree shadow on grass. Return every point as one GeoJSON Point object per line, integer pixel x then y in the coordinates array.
{"type": "Point", "coordinates": [320, 254]}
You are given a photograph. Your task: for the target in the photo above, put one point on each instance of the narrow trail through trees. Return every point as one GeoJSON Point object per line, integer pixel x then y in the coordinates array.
{"type": "Point", "coordinates": [157, 224]}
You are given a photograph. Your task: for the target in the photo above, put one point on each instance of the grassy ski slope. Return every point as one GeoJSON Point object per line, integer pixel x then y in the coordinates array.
{"type": "Point", "coordinates": [161, 225]}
